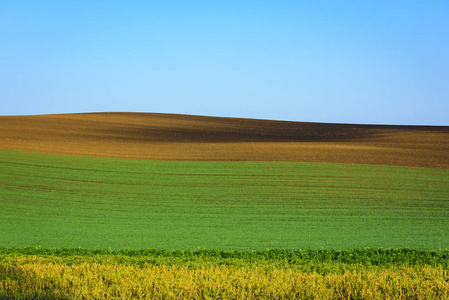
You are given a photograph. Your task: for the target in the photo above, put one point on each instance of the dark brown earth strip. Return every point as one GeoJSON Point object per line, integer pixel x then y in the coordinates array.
{"type": "Point", "coordinates": [185, 137]}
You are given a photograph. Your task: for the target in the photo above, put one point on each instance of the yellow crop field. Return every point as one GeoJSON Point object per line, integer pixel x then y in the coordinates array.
{"type": "Point", "coordinates": [37, 277]}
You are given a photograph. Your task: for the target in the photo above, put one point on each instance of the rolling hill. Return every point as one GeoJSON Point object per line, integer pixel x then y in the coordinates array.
{"type": "Point", "coordinates": [186, 137]}
{"type": "Point", "coordinates": [118, 180]}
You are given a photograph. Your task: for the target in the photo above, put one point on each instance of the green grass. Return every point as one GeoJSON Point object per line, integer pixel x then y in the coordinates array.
{"type": "Point", "coordinates": [321, 261]}
{"type": "Point", "coordinates": [68, 201]}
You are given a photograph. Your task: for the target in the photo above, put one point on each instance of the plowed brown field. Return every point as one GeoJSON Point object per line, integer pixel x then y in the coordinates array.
{"type": "Point", "coordinates": [185, 137]}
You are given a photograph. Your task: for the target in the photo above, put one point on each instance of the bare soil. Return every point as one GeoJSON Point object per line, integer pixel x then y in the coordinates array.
{"type": "Point", "coordinates": [186, 137]}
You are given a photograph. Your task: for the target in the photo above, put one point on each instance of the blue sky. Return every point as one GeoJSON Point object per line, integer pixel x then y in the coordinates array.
{"type": "Point", "coordinates": [371, 62]}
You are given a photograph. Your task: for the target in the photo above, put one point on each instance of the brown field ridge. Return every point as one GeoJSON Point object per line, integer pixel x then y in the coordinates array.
{"type": "Point", "coordinates": [186, 137]}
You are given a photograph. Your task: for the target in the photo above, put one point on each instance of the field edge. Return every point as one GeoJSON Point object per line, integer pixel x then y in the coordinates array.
{"type": "Point", "coordinates": [359, 256]}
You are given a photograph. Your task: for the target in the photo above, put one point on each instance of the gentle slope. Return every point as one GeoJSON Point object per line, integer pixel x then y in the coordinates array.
{"type": "Point", "coordinates": [184, 137]}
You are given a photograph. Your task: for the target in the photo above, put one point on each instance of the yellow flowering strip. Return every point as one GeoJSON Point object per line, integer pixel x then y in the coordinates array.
{"type": "Point", "coordinates": [34, 277]}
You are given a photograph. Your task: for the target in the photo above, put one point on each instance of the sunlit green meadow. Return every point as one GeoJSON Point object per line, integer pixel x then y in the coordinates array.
{"type": "Point", "coordinates": [69, 201]}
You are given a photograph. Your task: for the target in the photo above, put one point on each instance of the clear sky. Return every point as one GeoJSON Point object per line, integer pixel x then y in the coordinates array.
{"type": "Point", "coordinates": [371, 62]}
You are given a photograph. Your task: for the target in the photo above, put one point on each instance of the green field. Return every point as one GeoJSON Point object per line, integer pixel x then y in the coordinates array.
{"type": "Point", "coordinates": [69, 201]}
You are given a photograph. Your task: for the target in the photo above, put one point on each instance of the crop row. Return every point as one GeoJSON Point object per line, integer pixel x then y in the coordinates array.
{"type": "Point", "coordinates": [288, 257]}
